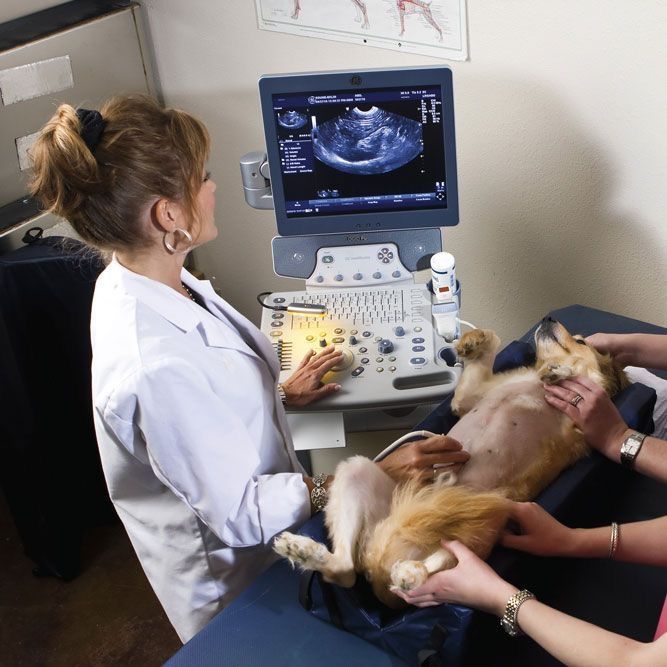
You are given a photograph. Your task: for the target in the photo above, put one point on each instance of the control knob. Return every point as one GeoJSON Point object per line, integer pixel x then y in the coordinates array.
{"type": "Point", "coordinates": [385, 346]}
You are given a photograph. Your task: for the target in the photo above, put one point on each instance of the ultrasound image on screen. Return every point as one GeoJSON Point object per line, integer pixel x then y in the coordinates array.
{"type": "Point", "coordinates": [361, 151]}
{"type": "Point", "coordinates": [292, 120]}
{"type": "Point", "coordinates": [372, 141]}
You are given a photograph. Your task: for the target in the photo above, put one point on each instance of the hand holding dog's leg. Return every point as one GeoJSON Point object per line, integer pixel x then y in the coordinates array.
{"type": "Point", "coordinates": [409, 574]}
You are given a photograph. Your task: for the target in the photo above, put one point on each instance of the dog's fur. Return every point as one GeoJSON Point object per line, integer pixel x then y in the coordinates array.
{"type": "Point", "coordinates": [518, 445]}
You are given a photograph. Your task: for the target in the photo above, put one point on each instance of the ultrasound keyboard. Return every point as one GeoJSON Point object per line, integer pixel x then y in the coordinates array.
{"type": "Point", "coordinates": [391, 354]}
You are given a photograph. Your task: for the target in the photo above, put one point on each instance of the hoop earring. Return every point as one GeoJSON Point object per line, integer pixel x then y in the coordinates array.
{"type": "Point", "coordinates": [171, 248]}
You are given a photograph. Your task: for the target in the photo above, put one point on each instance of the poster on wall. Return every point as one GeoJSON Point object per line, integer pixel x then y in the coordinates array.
{"type": "Point", "coordinates": [427, 27]}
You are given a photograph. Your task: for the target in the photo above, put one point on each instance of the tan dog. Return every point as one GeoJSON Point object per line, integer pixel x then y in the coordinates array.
{"type": "Point", "coordinates": [518, 445]}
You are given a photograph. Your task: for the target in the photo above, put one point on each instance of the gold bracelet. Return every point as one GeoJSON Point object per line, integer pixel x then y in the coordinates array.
{"type": "Point", "coordinates": [613, 544]}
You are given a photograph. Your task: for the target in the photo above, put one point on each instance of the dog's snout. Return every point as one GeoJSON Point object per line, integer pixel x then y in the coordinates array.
{"type": "Point", "coordinates": [548, 320]}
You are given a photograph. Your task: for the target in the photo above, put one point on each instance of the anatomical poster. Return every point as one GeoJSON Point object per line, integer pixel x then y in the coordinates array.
{"type": "Point", "coordinates": [428, 27]}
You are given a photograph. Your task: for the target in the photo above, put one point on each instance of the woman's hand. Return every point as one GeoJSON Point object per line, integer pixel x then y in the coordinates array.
{"type": "Point", "coordinates": [472, 583]}
{"type": "Point", "coordinates": [305, 385]}
{"type": "Point", "coordinates": [419, 459]}
{"type": "Point", "coordinates": [540, 534]}
{"type": "Point", "coordinates": [619, 346]}
{"type": "Point", "coordinates": [595, 414]}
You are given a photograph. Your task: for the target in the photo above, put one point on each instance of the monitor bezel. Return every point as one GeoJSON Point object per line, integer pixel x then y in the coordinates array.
{"type": "Point", "coordinates": [440, 76]}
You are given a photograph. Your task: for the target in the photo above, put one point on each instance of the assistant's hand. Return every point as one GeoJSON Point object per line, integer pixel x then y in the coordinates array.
{"type": "Point", "coordinates": [596, 415]}
{"type": "Point", "coordinates": [619, 346]}
{"type": "Point", "coordinates": [415, 460]}
{"type": "Point", "coordinates": [540, 534]}
{"type": "Point", "coordinates": [472, 583]}
{"type": "Point", "coordinates": [305, 385]}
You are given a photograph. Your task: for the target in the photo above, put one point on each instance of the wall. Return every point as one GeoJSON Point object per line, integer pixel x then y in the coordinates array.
{"type": "Point", "coordinates": [561, 133]}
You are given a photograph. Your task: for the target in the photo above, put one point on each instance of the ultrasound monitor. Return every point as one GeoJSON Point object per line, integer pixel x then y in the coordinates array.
{"type": "Point", "coordinates": [361, 151]}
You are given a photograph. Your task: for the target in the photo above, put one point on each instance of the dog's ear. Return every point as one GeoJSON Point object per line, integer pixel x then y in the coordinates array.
{"type": "Point", "coordinates": [615, 376]}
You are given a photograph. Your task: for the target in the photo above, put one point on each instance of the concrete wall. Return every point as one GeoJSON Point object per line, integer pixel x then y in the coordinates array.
{"type": "Point", "coordinates": [562, 145]}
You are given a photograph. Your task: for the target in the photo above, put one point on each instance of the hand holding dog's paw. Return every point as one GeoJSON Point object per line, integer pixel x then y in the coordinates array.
{"type": "Point", "coordinates": [553, 373]}
{"type": "Point", "coordinates": [408, 574]}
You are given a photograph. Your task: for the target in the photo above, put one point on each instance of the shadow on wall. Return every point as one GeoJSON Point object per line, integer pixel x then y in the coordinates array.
{"type": "Point", "coordinates": [538, 226]}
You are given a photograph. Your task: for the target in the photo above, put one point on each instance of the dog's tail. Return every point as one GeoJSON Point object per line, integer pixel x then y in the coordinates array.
{"type": "Point", "coordinates": [422, 516]}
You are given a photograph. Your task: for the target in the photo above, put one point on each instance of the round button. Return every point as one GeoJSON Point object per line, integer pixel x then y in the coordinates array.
{"type": "Point", "coordinates": [357, 276]}
{"type": "Point", "coordinates": [339, 331]}
{"type": "Point", "coordinates": [367, 334]}
{"type": "Point", "coordinates": [392, 368]}
{"type": "Point", "coordinates": [377, 339]}
{"type": "Point", "coordinates": [392, 358]}
{"type": "Point", "coordinates": [396, 274]}
{"type": "Point", "coordinates": [319, 279]}
{"type": "Point", "coordinates": [338, 277]}
{"type": "Point", "coordinates": [279, 299]}
{"type": "Point", "coordinates": [417, 361]}
{"type": "Point", "coordinates": [275, 334]}
{"type": "Point", "coordinates": [278, 323]}
{"type": "Point", "coordinates": [377, 275]}
{"type": "Point", "coordinates": [357, 371]}
{"type": "Point", "coordinates": [418, 348]}
{"type": "Point", "coordinates": [379, 360]}
{"type": "Point", "coordinates": [277, 316]}
{"type": "Point", "coordinates": [417, 340]}
{"type": "Point", "coordinates": [364, 360]}
{"type": "Point", "coordinates": [310, 337]}
{"type": "Point", "coordinates": [418, 329]}
{"type": "Point", "coordinates": [345, 362]}
{"type": "Point", "coordinates": [340, 339]}
{"type": "Point", "coordinates": [399, 331]}
{"type": "Point", "coordinates": [323, 334]}
{"type": "Point", "coordinates": [363, 350]}
{"type": "Point", "coordinates": [354, 332]}
{"type": "Point", "coordinates": [379, 369]}
{"type": "Point", "coordinates": [385, 346]}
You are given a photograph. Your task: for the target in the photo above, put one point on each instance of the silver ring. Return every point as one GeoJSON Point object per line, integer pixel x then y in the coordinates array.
{"type": "Point", "coordinates": [576, 399]}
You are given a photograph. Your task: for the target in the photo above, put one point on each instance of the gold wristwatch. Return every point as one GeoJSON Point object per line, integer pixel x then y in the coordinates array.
{"type": "Point", "coordinates": [319, 495]}
{"type": "Point", "coordinates": [508, 620]}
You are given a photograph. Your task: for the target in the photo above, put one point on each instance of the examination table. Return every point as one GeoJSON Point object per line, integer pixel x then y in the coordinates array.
{"type": "Point", "coordinates": [266, 625]}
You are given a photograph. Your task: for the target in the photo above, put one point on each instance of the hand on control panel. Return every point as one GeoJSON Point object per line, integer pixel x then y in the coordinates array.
{"type": "Point", "coordinates": [416, 459]}
{"type": "Point", "coordinates": [305, 385]}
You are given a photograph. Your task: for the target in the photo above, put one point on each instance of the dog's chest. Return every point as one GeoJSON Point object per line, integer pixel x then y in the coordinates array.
{"type": "Point", "coordinates": [504, 431]}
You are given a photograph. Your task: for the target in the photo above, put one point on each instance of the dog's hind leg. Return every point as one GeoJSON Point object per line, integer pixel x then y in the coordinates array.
{"type": "Point", "coordinates": [359, 497]}
{"type": "Point", "coordinates": [409, 574]}
{"type": "Point", "coordinates": [478, 348]}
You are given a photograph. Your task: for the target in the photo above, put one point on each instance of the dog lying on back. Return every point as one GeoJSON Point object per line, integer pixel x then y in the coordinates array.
{"type": "Point", "coordinates": [518, 444]}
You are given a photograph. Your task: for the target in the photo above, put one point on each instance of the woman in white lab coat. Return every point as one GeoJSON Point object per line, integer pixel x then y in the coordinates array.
{"type": "Point", "coordinates": [188, 413]}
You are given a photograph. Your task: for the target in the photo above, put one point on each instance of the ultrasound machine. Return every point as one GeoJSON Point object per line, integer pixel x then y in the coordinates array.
{"type": "Point", "coordinates": [361, 172]}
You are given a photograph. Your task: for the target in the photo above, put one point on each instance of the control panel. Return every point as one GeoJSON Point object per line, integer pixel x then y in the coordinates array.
{"type": "Point", "coordinates": [351, 266]}
{"type": "Point", "coordinates": [392, 356]}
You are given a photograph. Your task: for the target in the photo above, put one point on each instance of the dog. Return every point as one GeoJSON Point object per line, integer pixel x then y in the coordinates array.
{"type": "Point", "coordinates": [518, 444]}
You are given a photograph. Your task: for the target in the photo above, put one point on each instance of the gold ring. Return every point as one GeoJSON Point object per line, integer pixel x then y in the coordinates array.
{"type": "Point", "coordinates": [576, 399]}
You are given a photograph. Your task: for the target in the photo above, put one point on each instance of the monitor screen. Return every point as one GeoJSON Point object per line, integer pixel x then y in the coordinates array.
{"type": "Point", "coordinates": [361, 151]}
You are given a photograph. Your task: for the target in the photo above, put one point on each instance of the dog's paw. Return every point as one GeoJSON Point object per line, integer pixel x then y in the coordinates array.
{"type": "Point", "coordinates": [553, 373]}
{"type": "Point", "coordinates": [408, 574]}
{"type": "Point", "coordinates": [475, 343]}
{"type": "Point", "coordinates": [301, 550]}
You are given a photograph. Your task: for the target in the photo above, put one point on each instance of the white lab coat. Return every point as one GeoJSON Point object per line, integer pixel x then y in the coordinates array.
{"type": "Point", "coordinates": [193, 439]}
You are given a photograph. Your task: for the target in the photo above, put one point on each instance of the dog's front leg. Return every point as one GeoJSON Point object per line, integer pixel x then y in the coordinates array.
{"type": "Point", "coordinates": [478, 349]}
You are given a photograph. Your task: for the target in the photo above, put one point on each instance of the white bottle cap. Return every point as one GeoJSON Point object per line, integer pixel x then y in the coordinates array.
{"type": "Point", "coordinates": [442, 262]}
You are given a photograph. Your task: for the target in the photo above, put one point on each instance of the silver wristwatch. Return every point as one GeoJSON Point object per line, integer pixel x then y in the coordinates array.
{"type": "Point", "coordinates": [282, 394]}
{"type": "Point", "coordinates": [508, 620]}
{"type": "Point", "coordinates": [630, 448]}
{"type": "Point", "coordinates": [319, 495]}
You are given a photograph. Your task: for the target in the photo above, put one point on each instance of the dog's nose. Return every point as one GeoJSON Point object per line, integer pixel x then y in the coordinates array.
{"type": "Point", "coordinates": [548, 320]}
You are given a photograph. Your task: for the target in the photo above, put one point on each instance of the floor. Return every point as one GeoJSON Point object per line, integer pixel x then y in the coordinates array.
{"type": "Point", "coordinates": [108, 615]}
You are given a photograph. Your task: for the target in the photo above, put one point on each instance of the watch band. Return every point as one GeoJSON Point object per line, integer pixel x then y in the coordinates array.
{"type": "Point", "coordinates": [319, 495]}
{"type": "Point", "coordinates": [630, 448]}
{"type": "Point", "coordinates": [508, 621]}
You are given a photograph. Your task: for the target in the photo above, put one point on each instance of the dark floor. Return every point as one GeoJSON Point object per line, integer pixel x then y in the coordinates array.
{"type": "Point", "coordinates": [108, 615]}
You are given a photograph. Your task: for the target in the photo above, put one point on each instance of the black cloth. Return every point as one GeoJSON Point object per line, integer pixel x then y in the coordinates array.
{"type": "Point", "coordinates": [50, 471]}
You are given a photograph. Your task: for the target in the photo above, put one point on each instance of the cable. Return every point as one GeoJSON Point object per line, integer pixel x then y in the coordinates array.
{"type": "Point", "coordinates": [468, 324]}
{"type": "Point", "coordinates": [294, 307]}
{"type": "Point", "coordinates": [397, 443]}
{"type": "Point", "coordinates": [266, 305]}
